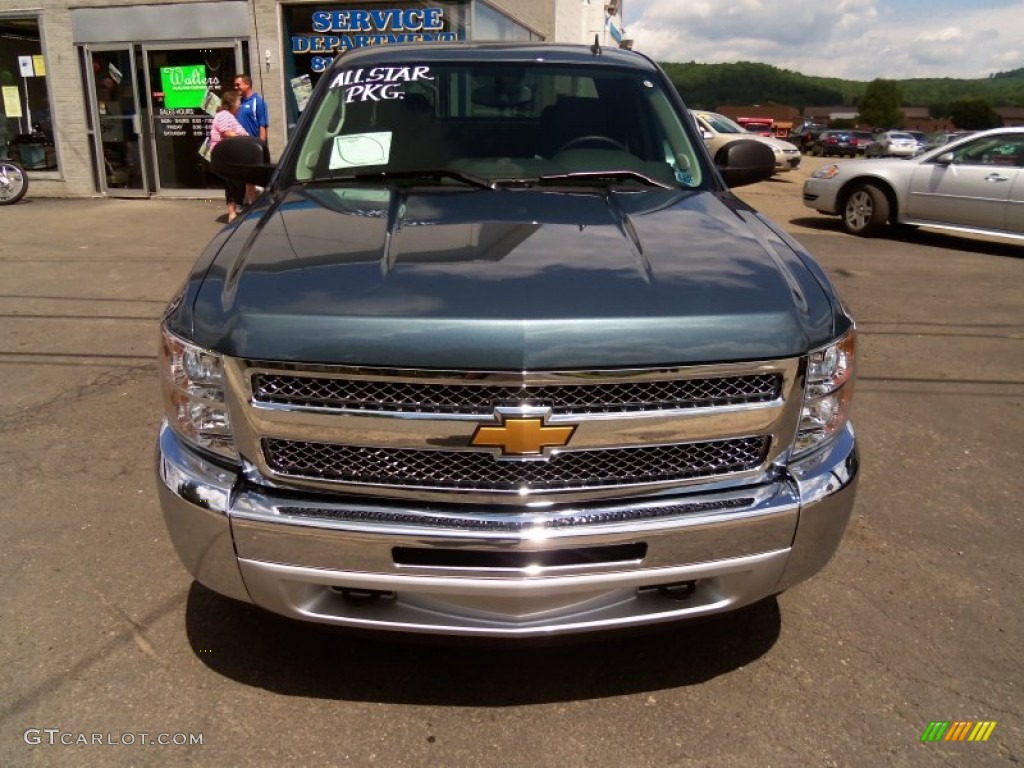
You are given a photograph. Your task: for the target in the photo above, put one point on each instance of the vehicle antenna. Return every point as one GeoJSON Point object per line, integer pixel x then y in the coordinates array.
{"type": "Point", "coordinates": [596, 47]}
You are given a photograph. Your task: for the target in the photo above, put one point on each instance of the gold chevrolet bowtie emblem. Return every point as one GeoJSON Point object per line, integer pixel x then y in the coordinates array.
{"type": "Point", "coordinates": [522, 437]}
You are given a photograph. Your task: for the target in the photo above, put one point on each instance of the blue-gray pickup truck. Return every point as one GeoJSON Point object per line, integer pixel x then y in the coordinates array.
{"type": "Point", "coordinates": [498, 353]}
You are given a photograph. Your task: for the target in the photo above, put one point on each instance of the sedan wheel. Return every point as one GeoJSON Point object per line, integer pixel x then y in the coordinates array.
{"type": "Point", "coordinates": [866, 210]}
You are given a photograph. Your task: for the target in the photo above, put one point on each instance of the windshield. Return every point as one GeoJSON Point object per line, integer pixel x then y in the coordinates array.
{"type": "Point", "coordinates": [721, 123]}
{"type": "Point", "coordinates": [489, 123]}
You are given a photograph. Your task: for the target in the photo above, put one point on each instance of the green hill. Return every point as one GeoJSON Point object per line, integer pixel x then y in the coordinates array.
{"type": "Point", "coordinates": [705, 86]}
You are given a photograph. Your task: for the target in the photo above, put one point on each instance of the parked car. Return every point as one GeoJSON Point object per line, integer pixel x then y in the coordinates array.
{"type": "Point", "coordinates": [892, 144]}
{"type": "Point", "coordinates": [509, 374]}
{"type": "Point", "coordinates": [759, 125]}
{"type": "Point", "coordinates": [804, 134]}
{"type": "Point", "coordinates": [862, 139]}
{"type": "Point", "coordinates": [942, 138]}
{"type": "Point", "coordinates": [975, 184]}
{"type": "Point", "coordinates": [834, 142]}
{"type": "Point", "coordinates": [718, 131]}
{"type": "Point", "coordinates": [920, 137]}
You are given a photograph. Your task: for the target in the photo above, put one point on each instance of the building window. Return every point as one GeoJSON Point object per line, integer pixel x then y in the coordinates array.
{"type": "Point", "coordinates": [26, 125]}
{"type": "Point", "coordinates": [491, 24]}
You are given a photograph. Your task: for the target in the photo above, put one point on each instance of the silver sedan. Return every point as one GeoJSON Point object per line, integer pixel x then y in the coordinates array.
{"type": "Point", "coordinates": [974, 185]}
{"type": "Point", "coordinates": [893, 144]}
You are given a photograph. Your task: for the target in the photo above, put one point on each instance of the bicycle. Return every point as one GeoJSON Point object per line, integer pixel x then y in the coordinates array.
{"type": "Point", "coordinates": [13, 182]}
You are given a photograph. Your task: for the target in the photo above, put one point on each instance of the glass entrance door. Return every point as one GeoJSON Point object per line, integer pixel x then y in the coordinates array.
{"type": "Point", "coordinates": [117, 121]}
{"type": "Point", "coordinates": [184, 83]}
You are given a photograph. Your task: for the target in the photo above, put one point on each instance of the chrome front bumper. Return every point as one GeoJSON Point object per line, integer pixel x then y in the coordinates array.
{"type": "Point", "coordinates": [533, 571]}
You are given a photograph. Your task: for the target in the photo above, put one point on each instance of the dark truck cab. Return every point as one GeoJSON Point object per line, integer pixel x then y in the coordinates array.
{"type": "Point", "coordinates": [498, 353]}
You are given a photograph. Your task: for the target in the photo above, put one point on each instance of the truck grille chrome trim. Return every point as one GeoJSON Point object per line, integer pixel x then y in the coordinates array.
{"type": "Point", "coordinates": [471, 470]}
{"type": "Point", "coordinates": [578, 518]}
{"type": "Point", "coordinates": [311, 391]}
{"type": "Point", "coordinates": [407, 433]}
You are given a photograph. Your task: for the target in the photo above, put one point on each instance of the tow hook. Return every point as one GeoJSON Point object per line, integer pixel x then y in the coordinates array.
{"type": "Point", "coordinates": [362, 596]}
{"type": "Point", "coordinates": [679, 590]}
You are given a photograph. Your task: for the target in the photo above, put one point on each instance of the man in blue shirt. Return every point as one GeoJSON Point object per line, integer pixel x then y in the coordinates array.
{"type": "Point", "coordinates": [253, 117]}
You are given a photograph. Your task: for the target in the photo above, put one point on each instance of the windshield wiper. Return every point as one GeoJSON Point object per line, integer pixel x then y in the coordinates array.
{"type": "Point", "coordinates": [605, 176]}
{"type": "Point", "coordinates": [426, 173]}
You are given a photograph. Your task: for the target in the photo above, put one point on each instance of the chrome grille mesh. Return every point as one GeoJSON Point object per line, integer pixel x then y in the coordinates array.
{"type": "Point", "coordinates": [305, 390]}
{"type": "Point", "coordinates": [462, 470]}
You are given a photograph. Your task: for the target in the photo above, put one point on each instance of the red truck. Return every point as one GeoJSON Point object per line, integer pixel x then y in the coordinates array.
{"type": "Point", "coordinates": [763, 126]}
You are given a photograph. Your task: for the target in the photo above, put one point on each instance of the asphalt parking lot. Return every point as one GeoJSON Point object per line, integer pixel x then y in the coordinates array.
{"type": "Point", "coordinates": [919, 618]}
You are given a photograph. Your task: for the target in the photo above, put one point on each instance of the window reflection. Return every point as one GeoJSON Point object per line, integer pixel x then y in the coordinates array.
{"type": "Point", "coordinates": [491, 24]}
{"type": "Point", "coordinates": [26, 125]}
{"type": "Point", "coordinates": [115, 106]}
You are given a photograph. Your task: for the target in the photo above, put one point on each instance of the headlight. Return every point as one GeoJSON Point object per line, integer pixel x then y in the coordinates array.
{"type": "Point", "coordinates": [193, 388]}
{"type": "Point", "coordinates": [828, 393]}
{"type": "Point", "coordinates": [826, 171]}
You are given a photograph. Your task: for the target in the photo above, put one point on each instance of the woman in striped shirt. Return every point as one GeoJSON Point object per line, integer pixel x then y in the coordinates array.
{"type": "Point", "coordinates": [225, 124]}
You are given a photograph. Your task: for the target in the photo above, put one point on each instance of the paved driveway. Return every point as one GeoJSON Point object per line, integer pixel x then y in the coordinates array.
{"type": "Point", "coordinates": [918, 618]}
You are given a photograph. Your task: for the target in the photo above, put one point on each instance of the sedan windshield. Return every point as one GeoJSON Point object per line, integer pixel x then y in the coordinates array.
{"type": "Point", "coordinates": [721, 123]}
{"type": "Point", "coordinates": [486, 123]}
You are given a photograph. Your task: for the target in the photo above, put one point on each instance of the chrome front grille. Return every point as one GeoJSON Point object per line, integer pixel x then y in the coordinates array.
{"type": "Point", "coordinates": [308, 391]}
{"type": "Point", "coordinates": [457, 470]}
{"type": "Point", "coordinates": [412, 434]}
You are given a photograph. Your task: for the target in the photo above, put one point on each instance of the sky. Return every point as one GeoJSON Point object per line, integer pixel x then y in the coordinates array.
{"type": "Point", "coordinates": [851, 39]}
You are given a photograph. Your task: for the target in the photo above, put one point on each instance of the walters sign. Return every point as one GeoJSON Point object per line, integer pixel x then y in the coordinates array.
{"type": "Point", "coordinates": [334, 31]}
{"type": "Point", "coordinates": [184, 86]}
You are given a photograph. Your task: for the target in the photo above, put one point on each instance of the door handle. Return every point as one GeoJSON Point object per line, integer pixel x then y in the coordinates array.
{"type": "Point", "coordinates": [996, 177]}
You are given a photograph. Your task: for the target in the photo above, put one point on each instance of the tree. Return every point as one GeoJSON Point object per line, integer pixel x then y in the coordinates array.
{"type": "Point", "coordinates": [880, 105]}
{"type": "Point", "coordinates": [974, 115]}
{"type": "Point", "coordinates": [939, 110]}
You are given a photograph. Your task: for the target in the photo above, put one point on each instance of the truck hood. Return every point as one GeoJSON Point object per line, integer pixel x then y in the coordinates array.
{"type": "Point", "coordinates": [508, 279]}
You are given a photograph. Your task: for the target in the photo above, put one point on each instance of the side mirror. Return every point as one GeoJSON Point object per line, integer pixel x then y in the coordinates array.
{"type": "Point", "coordinates": [745, 162]}
{"type": "Point", "coordinates": [241, 158]}
{"type": "Point", "coordinates": [946, 158]}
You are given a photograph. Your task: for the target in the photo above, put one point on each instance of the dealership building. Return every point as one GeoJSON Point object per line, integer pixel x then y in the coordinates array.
{"type": "Point", "coordinates": [115, 98]}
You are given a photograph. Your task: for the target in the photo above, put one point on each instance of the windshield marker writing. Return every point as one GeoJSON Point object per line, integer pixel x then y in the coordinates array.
{"type": "Point", "coordinates": [378, 83]}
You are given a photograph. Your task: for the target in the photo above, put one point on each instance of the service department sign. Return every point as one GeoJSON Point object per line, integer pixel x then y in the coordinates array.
{"type": "Point", "coordinates": [335, 31]}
